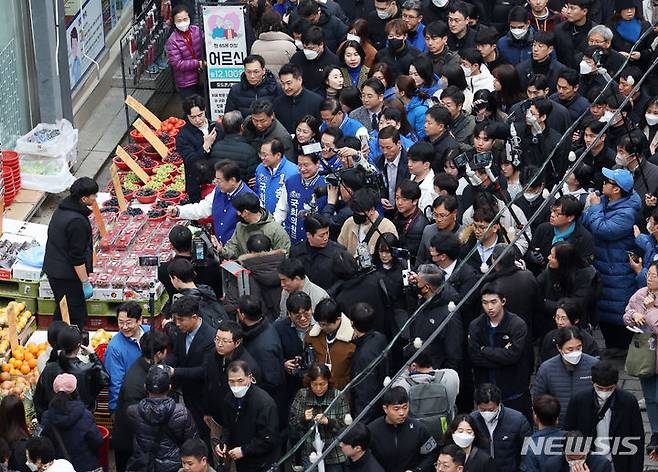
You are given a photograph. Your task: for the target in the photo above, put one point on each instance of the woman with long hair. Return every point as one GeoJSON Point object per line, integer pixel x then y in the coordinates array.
{"type": "Point", "coordinates": [421, 71]}
{"type": "Point", "coordinates": [453, 74]}
{"type": "Point", "coordinates": [486, 108]}
{"type": "Point", "coordinates": [308, 409]}
{"type": "Point", "coordinates": [71, 426]}
{"type": "Point", "coordinates": [358, 31]}
{"type": "Point", "coordinates": [649, 124]}
{"type": "Point", "coordinates": [414, 103]}
{"type": "Point", "coordinates": [273, 44]}
{"type": "Point", "coordinates": [332, 81]}
{"type": "Point", "coordinates": [13, 429]}
{"type": "Point", "coordinates": [567, 275]}
{"type": "Point", "coordinates": [382, 72]}
{"type": "Point", "coordinates": [307, 131]}
{"type": "Point", "coordinates": [463, 432]}
{"type": "Point", "coordinates": [507, 86]}
{"type": "Point", "coordinates": [352, 59]}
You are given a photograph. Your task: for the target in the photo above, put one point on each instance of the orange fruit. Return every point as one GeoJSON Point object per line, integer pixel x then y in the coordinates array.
{"type": "Point", "coordinates": [14, 372]}
{"type": "Point", "coordinates": [6, 367]}
{"type": "Point", "coordinates": [14, 362]}
{"type": "Point", "coordinates": [19, 355]}
{"type": "Point", "coordinates": [28, 355]}
{"type": "Point", "coordinates": [32, 363]}
{"type": "Point", "coordinates": [25, 369]}
{"type": "Point", "coordinates": [32, 348]}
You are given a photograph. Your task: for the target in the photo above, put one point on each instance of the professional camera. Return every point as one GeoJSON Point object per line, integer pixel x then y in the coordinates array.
{"type": "Point", "coordinates": [305, 361]}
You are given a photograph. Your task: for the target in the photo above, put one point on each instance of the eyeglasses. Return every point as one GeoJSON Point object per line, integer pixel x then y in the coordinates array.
{"type": "Point", "coordinates": [223, 341]}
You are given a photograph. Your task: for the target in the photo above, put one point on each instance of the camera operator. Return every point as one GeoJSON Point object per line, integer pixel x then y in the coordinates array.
{"type": "Point", "coordinates": [180, 238]}
{"type": "Point", "coordinates": [292, 330]}
{"type": "Point", "coordinates": [337, 209]}
{"type": "Point", "coordinates": [409, 220]}
{"type": "Point", "coordinates": [365, 225]}
{"type": "Point", "coordinates": [300, 194]}
{"type": "Point", "coordinates": [318, 251]}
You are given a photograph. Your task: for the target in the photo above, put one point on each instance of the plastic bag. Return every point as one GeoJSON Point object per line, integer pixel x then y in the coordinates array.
{"type": "Point", "coordinates": [46, 174]}
{"type": "Point", "coordinates": [48, 139]}
{"type": "Point", "coordinates": [33, 256]}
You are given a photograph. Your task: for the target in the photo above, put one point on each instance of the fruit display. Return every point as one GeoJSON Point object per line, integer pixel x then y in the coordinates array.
{"type": "Point", "coordinates": [22, 319]}
{"type": "Point", "coordinates": [23, 361]}
{"type": "Point", "coordinates": [171, 126]}
{"type": "Point", "coordinates": [100, 337]}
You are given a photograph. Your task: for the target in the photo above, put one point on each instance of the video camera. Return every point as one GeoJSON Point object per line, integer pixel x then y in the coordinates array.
{"type": "Point", "coordinates": [305, 361]}
{"type": "Point", "coordinates": [203, 250]}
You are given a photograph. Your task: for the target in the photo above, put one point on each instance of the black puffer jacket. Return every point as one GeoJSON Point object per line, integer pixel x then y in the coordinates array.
{"type": "Point", "coordinates": [79, 433]}
{"type": "Point", "coordinates": [243, 94]}
{"type": "Point", "coordinates": [318, 262]}
{"type": "Point", "coordinates": [235, 148]}
{"type": "Point", "coordinates": [149, 417]}
{"type": "Point", "coordinates": [91, 377]}
{"type": "Point", "coordinates": [411, 232]}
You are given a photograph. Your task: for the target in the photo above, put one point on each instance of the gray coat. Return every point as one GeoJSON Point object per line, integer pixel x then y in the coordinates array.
{"type": "Point", "coordinates": [563, 381]}
{"type": "Point", "coordinates": [362, 115]}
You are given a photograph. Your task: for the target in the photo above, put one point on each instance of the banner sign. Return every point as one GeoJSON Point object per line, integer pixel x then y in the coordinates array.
{"type": "Point", "coordinates": [226, 48]}
{"type": "Point", "coordinates": [85, 37]}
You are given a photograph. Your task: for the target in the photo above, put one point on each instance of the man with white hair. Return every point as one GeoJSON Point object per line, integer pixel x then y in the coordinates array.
{"type": "Point", "coordinates": [601, 36]}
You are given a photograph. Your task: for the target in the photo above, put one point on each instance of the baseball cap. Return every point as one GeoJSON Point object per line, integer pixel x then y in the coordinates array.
{"type": "Point", "coordinates": [622, 177]}
{"type": "Point", "coordinates": [66, 383]}
{"type": "Point", "coordinates": [158, 379]}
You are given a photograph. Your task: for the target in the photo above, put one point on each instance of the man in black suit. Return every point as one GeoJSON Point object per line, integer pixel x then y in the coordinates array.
{"type": "Point", "coordinates": [392, 163]}
{"type": "Point", "coordinates": [607, 411]}
{"type": "Point", "coordinates": [193, 342]}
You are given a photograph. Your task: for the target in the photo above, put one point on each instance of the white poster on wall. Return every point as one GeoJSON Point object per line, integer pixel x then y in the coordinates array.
{"type": "Point", "coordinates": [85, 39]}
{"type": "Point", "coordinates": [226, 48]}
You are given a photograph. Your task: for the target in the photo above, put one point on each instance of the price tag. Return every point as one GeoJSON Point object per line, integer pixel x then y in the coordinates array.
{"type": "Point", "coordinates": [99, 219]}
{"type": "Point", "coordinates": [116, 181]}
{"type": "Point", "coordinates": [12, 331]}
{"type": "Point", "coordinates": [64, 310]}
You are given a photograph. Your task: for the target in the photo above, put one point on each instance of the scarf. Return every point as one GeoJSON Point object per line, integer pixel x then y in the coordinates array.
{"type": "Point", "coordinates": [629, 30]}
{"type": "Point", "coordinates": [562, 235]}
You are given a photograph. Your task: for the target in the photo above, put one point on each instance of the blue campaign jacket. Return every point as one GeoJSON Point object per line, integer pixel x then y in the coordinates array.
{"type": "Point", "coordinates": [269, 186]}
{"type": "Point", "coordinates": [649, 245]}
{"type": "Point", "coordinates": [349, 126]}
{"type": "Point", "coordinates": [224, 216]}
{"type": "Point", "coordinates": [416, 109]}
{"type": "Point", "coordinates": [417, 38]}
{"type": "Point", "coordinates": [300, 196]}
{"type": "Point", "coordinates": [611, 225]}
{"type": "Point", "coordinates": [120, 355]}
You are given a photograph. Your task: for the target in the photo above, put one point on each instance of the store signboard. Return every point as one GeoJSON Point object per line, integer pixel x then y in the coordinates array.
{"type": "Point", "coordinates": [226, 48]}
{"type": "Point", "coordinates": [85, 38]}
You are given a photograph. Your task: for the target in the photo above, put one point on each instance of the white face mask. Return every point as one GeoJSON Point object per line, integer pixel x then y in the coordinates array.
{"type": "Point", "coordinates": [518, 33]}
{"type": "Point", "coordinates": [607, 116]}
{"type": "Point", "coordinates": [353, 37]}
{"type": "Point", "coordinates": [621, 160]}
{"type": "Point", "coordinates": [603, 395]}
{"type": "Point", "coordinates": [467, 71]}
{"type": "Point", "coordinates": [183, 26]}
{"type": "Point", "coordinates": [489, 416]}
{"type": "Point", "coordinates": [573, 464]}
{"type": "Point", "coordinates": [440, 3]}
{"type": "Point", "coordinates": [31, 466]}
{"type": "Point", "coordinates": [383, 15]}
{"type": "Point", "coordinates": [239, 392]}
{"type": "Point", "coordinates": [652, 119]}
{"type": "Point", "coordinates": [572, 357]}
{"type": "Point", "coordinates": [585, 68]}
{"type": "Point", "coordinates": [531, 196]}
{"type": "Point", "coordinates": [463, 439]}
{"type": "Point", "coordinates": [310, 54]}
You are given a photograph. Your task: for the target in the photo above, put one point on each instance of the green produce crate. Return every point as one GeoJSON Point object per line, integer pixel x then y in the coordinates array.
{"type": "Point", "coordinates": [46, 306]}
{"type": "Point", "coordinates": [18, 288]}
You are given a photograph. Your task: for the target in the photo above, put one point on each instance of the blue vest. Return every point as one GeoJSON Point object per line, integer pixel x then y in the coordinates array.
{"type": "Point", "coordinates": [375, 150]}
{"type": "Point", "coordinates": [350, 126]}
{"type": "Point", "coordinates": [270, 186]}
{"type": "Point", "coordinates": [224, 216]}
{"type": "Point", "coordinates": [300, 196]}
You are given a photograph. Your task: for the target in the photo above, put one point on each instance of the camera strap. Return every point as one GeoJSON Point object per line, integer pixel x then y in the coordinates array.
{"type": "Point", "coordinates": [372, 229]}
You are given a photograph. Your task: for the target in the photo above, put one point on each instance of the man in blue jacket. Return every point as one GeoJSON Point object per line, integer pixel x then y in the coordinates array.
{"type": "Point", "coordinates": [516, 46]}
{"type": "Point", "coordinates": [545, 412]}
{"type": "Point", "coordinates": [218, 203]}
{"type": "Point", "coordinates": [272, 173]}
{"type": "Point", "coordinates": [123, 350]}
{"type": "Point", "coordinates": [610, 219]}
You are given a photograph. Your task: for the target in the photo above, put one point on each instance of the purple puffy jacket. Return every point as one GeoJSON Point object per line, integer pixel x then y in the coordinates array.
{"type": "Point", "coordinates": [185, 67]}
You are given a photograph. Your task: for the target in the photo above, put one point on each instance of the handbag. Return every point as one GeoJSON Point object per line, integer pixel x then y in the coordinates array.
{"type": "Point", "coordinates": [641, 358]}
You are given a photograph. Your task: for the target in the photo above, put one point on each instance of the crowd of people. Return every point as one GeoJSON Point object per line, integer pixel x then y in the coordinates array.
{"type": "Point", "coordinates": [464, 190]}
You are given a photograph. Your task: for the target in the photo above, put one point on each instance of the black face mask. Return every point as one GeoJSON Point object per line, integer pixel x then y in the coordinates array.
{"type": "Point", "coordinates": [395, 44]}
{"type": "Point", "coordinates": [359, 219]}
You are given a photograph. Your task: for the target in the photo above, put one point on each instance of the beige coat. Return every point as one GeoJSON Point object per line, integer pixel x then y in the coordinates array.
{"type": "Point", "coordinates": [349, 234]}
{"type": "Point", "coordinates": [276, 47]}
